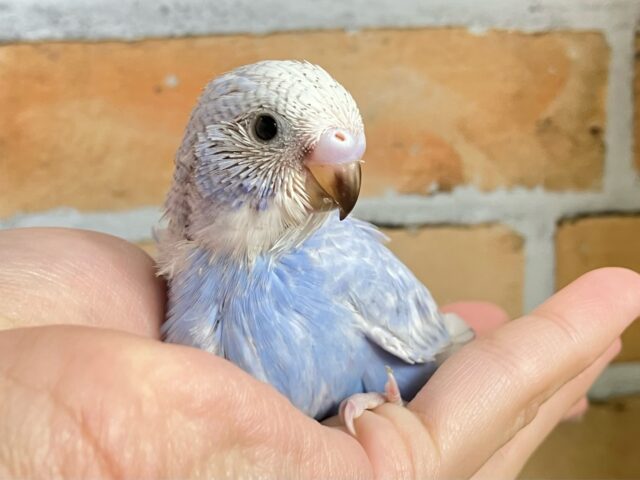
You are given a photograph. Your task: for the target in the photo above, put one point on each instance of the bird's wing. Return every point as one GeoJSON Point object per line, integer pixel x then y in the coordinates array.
{"type": "Point", "coordinates": [392, 307]}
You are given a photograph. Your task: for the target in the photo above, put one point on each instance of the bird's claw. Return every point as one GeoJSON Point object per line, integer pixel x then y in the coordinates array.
{"type": "Point", "coordinates": [354, 406]}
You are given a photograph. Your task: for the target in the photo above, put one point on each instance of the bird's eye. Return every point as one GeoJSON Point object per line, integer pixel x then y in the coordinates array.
{"type": "Point", "coordinates": [265, 127]}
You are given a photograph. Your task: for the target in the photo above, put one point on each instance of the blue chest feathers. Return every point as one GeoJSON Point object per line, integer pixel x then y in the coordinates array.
{"type": "Point", "coordinates": [296, 320]}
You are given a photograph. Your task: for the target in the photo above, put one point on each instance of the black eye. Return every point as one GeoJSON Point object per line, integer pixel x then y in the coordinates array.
{"type": "Point", "coordinates": [265, 127]}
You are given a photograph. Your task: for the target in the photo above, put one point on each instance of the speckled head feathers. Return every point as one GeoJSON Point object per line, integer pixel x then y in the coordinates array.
{"type": "Point", "coordinates": [305, 94]}
{"type": "Point", "coordinates": [229, 177]}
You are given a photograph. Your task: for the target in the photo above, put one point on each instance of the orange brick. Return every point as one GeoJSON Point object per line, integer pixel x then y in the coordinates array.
{"type": "Point", "coordinates": [604, 444]}
{"type": "Point", "coordinates": [465, 263]}
{"type": "Point", "coordinates": [585, 244]}
{"type": "Point", "coordinates": [95, 125]}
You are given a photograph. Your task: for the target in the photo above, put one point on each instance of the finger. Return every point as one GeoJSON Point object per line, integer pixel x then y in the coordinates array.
{"type": "Point", "coordinates": [570, 399]}
{"type": "Point", "coordinates": [505, 463]}
{"type": "Point", "coordinates": [101, 403]}
{"type": "Point", "coordinates": [492, 388]}
{"type": "Point", "coordinates": [64, 276]}
{"type": "Point", "coordinates": [482, 317]}
{"type": "Point", "coordinates": [577, 411]}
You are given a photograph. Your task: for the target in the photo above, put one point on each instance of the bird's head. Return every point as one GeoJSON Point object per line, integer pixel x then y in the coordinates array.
{"type": "Point", "coordinates": [268, 146]}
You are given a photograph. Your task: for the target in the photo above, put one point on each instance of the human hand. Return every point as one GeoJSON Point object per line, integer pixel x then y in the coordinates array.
{"type": "Point", "coordinates": [90, 391]}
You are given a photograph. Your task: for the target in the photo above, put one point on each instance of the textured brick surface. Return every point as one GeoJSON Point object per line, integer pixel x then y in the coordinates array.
{"type": "Point", "coordinates": [95, 125]}
{"type": "Point", "coordinates": [465, 263]}
{"type": "Point", "coordinates": [604, 444]}
{"type": "Point", "coordinates": [589, 243]}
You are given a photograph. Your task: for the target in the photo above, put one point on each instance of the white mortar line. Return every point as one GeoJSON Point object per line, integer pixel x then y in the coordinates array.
{"type": "Point", "coordinates": [30, 20]}
{"type": "Point", "coordinates": [539, 257]}
{"type": "Point", "coordinates": [617, 380]}
{"type": "Point", "coordinates": [468, 205]}
{"type": "Point", "coordinates": [463, 206]}
{"type": "Point", "coordinates": [620, 176]}
{"type": "Point", "coordinates": [133, 225]}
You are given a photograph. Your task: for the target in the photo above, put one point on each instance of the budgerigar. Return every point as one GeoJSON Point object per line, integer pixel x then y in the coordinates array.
{"type": "Point", "coordinates": [264, 266]}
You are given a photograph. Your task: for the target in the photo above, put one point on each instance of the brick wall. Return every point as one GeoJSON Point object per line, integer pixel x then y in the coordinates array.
{"type": "Point", "coordinates": [500, 154]}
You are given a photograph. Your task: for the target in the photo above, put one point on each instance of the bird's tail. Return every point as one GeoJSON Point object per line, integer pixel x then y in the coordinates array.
{"type": "Point", "coordinates": [459, 332]}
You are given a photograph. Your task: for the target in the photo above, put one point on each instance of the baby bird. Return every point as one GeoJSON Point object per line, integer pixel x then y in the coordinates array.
{"type": "Point", "coordinates": [265, 267]}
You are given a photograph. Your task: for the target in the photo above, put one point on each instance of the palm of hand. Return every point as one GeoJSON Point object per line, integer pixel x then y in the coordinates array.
{"type": "Point", "coordinates": [114, 401]}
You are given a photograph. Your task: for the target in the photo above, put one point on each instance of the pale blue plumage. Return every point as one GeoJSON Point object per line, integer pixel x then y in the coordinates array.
{"type": "Point", "coordinates": [261, 270]}
{"type": "Point", "coordinates": [303, 321]}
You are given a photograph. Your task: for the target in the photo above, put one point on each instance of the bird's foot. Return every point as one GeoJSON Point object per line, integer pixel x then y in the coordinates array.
{"type": "Point", "coordinates": [354, 406]}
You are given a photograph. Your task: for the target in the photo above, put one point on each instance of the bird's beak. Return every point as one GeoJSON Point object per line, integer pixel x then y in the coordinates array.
{"type": "Point", "coordinates": [334, 164]}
